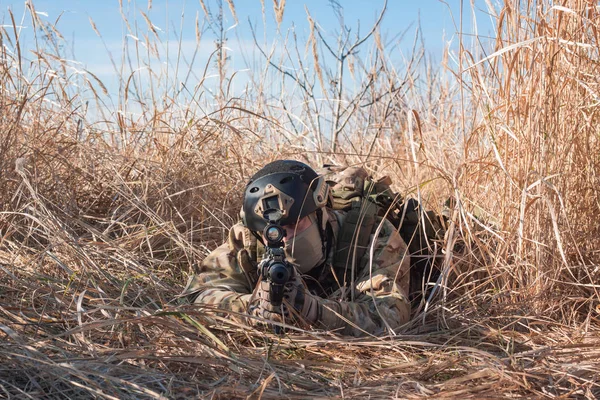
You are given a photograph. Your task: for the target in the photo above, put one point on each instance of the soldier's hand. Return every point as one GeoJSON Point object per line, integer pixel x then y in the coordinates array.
{"type": "Point", "coordinates": [297, 308]}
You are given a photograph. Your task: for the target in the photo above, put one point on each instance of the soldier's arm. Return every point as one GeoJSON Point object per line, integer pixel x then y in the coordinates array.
{"type": "Point", "coordinates": [381, 301]}
{"type": "Point", "coordinates": [221, 279]}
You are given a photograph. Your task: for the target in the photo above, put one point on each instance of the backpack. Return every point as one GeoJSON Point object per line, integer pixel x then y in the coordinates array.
{"type": "Point", "coordinates": [365, 199]}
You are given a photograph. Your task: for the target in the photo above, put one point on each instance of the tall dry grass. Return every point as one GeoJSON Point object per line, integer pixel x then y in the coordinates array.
{"type": "Point", "coordinates": [105, 213]}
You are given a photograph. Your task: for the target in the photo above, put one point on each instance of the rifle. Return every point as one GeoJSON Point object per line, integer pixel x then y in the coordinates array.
{"type": "Point", "coordinates": [273, 267]}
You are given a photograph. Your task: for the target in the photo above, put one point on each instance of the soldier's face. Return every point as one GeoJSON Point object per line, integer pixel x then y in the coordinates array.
{"type": "Point", "coordinates": [303, 245]}
{"type": "Point", "coordinates": [297, 228]}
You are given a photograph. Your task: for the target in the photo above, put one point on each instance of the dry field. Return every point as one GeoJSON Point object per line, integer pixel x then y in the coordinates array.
{"type": "Point", "coordinates": [107, 207]}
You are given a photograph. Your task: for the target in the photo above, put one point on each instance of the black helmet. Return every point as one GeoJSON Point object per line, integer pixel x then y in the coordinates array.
{"type": "Point", "coordinates": [289, 186]}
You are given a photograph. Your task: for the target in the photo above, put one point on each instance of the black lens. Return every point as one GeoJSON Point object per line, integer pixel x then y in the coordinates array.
{"type": "Point", "coordinates": [273, 234]}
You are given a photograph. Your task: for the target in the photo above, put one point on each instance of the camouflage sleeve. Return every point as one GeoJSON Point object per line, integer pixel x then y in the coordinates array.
{"type": "Point", "coordinates": [224, 277]}
{"type": "Point", "coordinates": [381, 291]}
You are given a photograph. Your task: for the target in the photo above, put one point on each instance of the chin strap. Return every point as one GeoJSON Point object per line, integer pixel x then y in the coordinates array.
{"type": "Point", "coordinates": [322, 232]}
{"type": "Point", "coordinates": [257, 236]}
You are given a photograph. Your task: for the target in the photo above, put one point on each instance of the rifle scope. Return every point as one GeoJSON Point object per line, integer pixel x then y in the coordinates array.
{"type": "Point", "coordinates": [274, 267]}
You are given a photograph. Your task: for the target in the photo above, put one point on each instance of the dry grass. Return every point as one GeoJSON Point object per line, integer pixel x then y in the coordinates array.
{"type": "Point", "coordinates": [103, 217]}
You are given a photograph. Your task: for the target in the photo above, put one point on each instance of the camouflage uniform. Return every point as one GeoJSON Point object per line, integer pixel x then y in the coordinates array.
{"type": "Point", "coordinates": [228, 276]}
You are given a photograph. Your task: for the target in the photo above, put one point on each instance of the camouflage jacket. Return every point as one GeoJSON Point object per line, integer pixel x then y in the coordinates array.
{"type": "Point", "coordinates": [378, 301]}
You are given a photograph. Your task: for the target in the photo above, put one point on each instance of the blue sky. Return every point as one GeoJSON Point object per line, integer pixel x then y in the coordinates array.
{"type": "Point", "coordinates": [174, 19]}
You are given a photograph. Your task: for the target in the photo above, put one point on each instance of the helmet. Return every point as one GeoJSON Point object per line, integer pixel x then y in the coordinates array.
{"type": "Point", "coordinates": [289, 186]}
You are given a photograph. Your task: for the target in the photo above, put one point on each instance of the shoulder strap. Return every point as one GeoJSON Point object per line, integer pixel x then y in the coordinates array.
{"type": "Point", "coordinates": [353, 240]}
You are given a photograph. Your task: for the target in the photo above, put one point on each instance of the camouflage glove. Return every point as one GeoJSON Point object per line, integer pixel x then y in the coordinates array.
{"type": "Point", "coordinates": [298, 307]}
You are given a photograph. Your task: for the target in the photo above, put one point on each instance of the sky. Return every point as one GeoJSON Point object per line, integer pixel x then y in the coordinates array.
{"type": "Point", "coordinates": [174, 25]}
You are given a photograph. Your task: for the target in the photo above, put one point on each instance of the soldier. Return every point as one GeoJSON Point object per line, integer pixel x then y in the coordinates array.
{"type": "Point", "coordinates": [368, 295]}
